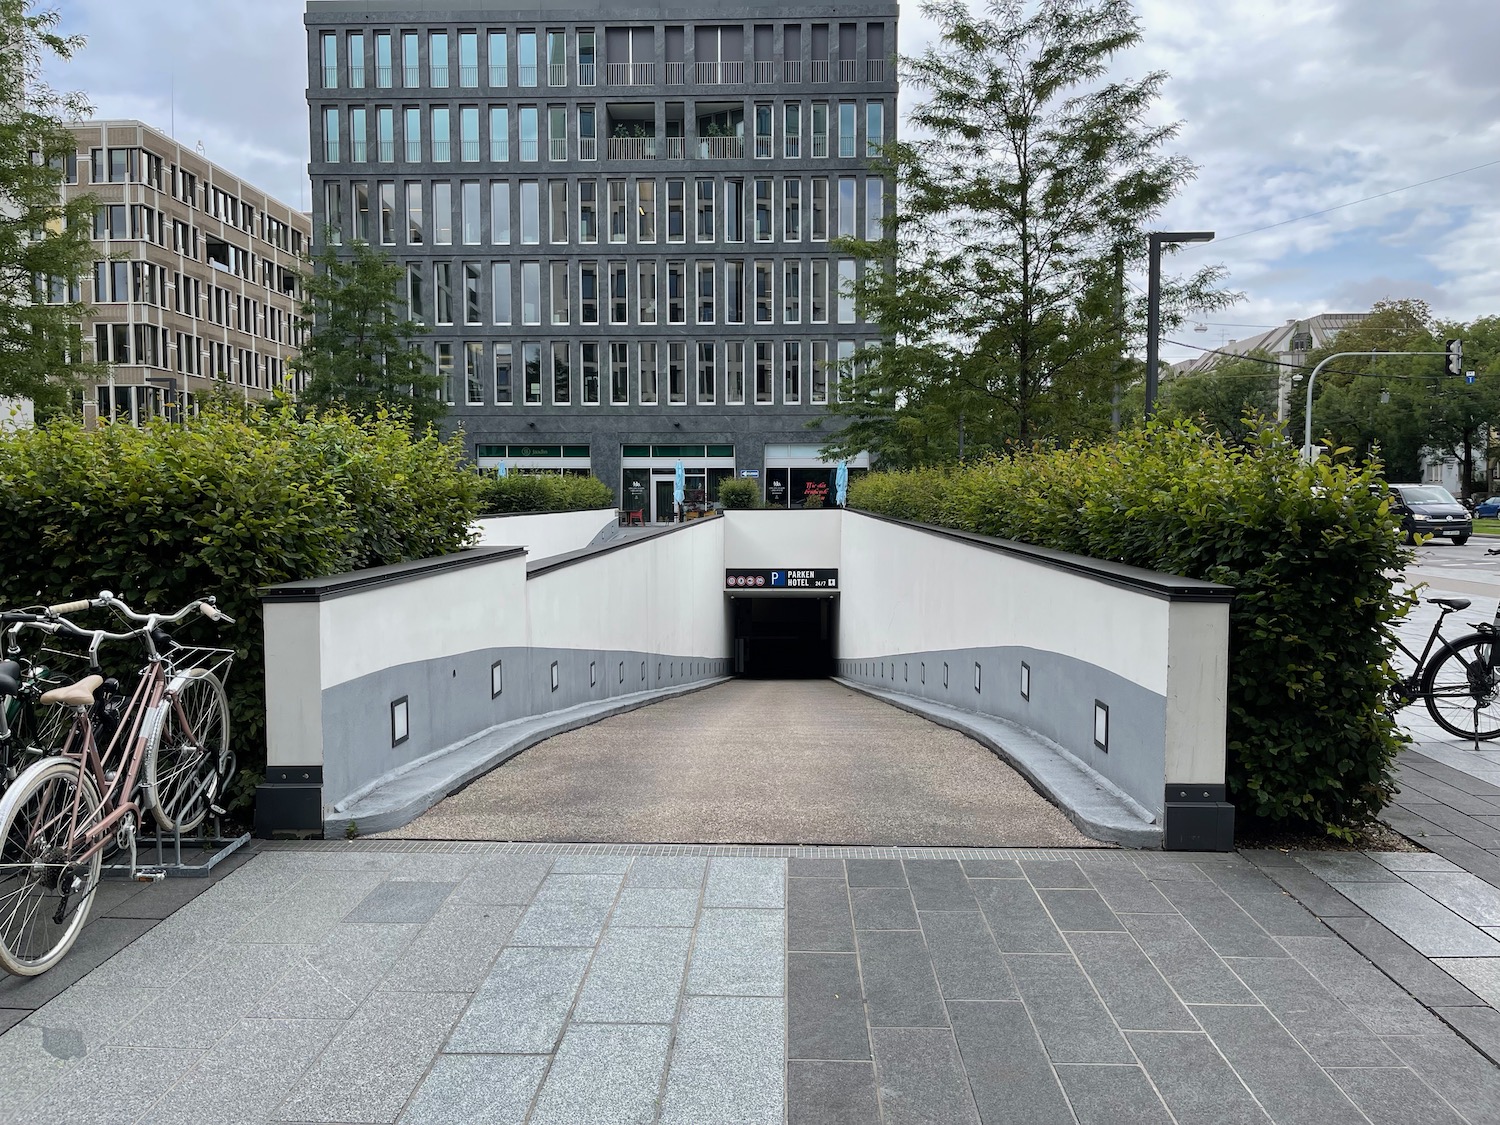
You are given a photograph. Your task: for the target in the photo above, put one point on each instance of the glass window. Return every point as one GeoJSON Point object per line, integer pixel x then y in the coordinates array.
{"type": "Point", "coordinates": [820, 209]}
{"type": "Point", "coordinates": [330, 61]}
{"type": "Point", "coordinates": [442, 213]}
{"type": "Point", "coordinates": [557, 59]}
{"type": "Point", "coordinates": [645, 292]}
{"type": "Point", "coordinates": [847, 218]}
{"type": "Point", "coordinates": [619, 382]}
{"type": "Point", "coordinates": [676, 292]}
{"type": "Point", "coordinates": [445, 372]}
{"type": "Point", "coordinates": [705, 210]}
{"type": "Point", "coordinates": [416, 298]}
{"type": "Point", "coordinates": [791, 131]}
{"type": "Point", "coordinates": [499, 134]}
{"type": "Point", "coordinates": [791, 372]}
{"type": "Point", "coordinates": [561, 306]}
{"type": "Point", "coordinates": [413, 130]}
{"type": "Point", "coordinates": [437, 58]}
{"type": "Point", "coordinates": [330, 136]}
{"type": "Point", "coordinates": [676, 215]}
{"type": "Point", "coordinates": [557, 133]}
{"type": "Point", "coordinates": [645, 210]}
{"type": "Point", "coordinates": [734, 292]}
{"type": "Point", "coordinates": [874, 128]}
{"type": "Point", "coordinates": [791, 292]}
{"type": "Point", "coordinates": [383, 59]}
{"type": "Point", "coordinates": [468, 59]}
{"type": "Point", "coordinates": [468, 134]}
{"type": "Point", "coordinates": [705, 292]}
{"type": "Point", "coordinates": [619, 297]}
{"type": "Point", "coordinates": [411, 65]}
{"type": "Point", "coordinates": [441, 136]}
{"type": "Point", "coordinates": [500, 212]}
{"type": "Point", "coordinates": [472, 223]}
{"type": "Point", "coordinates": [846, 290]}
{"type": "Point", "coordinates": [442, 292]}
{"type": "Point", "coordinates": [817, 291]}
{"type": "Point", "coordinates": [617, 225]}
{"type": "Point", "coordinates": [819, 385]}
{"type": "Point", "coordinates": [531, 371]}
{"type": "Point", "coordinates": [588, 133]}
{"type": "Point", "coordinates": [791, 221]}
{"type": "Point", "coordinates": [499, 63]}
{"type": "Point", "coordinates": [707, 375]}
{"type": "Point", "coordinates": [843, 370]}
{"type": "Point", "coordinates": [764, 293]}
{"type": "Point", "coordinates": [333, 211]}
{"type": "Point", "coordinates": [503, 391]}
{"type": "Point", "coordinates": [414, 224]}
{"type": "Point", "coordinates": [765, 388]}
{"type": "Point", "coordinates": [589, 370]}
{"type": "Point", "coordinates": [562, 376]}
{"type": "Point", "coordinates": [734, 210]}
{"type": "Point", "coordinates": [358, 140]}
{"type": "Point", "coordinates": [385, 133]}
{"type": "Point", "coordinates": [676, 373]}
{"type": "Point", "coordinates": [531, 292]}
{"type": "Point", "coordinates": [474, 373]}
{"type": "Point", "coordinates": [388, 214]}
{"type": "Point", "coordinates": [874, 208]}
{"type": "Point", "coordinates": [588, 211]}
{"type": "Point", "coordinates": [734, 373]}
{"type": "Point", "coordinates": [846, 129]}
{"type": "Point", "coordinates": [500, 291]}
{"type": "Point", "coordinates": [819, 130]}
{"type": "Point", "coordinates": [557, 211]}
{"type": "Point", "coordinates": [763, 206]}
{"type": "Point", "coordinates": [361, 210]}
{"type": "Point", "coordinates": [531, 218]}
{"type": "Point", "coordinates": [763, 139]}
{"type": "Point", "coordinates": [586, 59]}
{"type": "Point", "coordinates": [528, 124]}
{"type": "Point", "coordinates": [526, 50]}
{"type": "Point", "coordinates": [588, 293]}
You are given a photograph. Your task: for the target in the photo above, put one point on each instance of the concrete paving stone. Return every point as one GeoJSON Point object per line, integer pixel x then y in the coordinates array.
{"type": "Point", "coordinates": [728, 1063]}
{"type": "Point", "coordinates": [1468, 896]}
{"type": "Point", "coordinates": [654, 907]}
{"type": "Point", "coordinates": [1469, 1081]}
{"type": "Point", "coordinates": [1395, 1096]}
{"type": "Point", "coordinates": [756, 883]}
{"type": "Point", "coordinates": [992, 869]}
{"type": "Point", "coordinates": [1472, 858]}
{"type": "Point", "coordinates": [445, 866]}
{"type": "Point", "coordinates": [676, 873]}
{"type": "Point", "coordinates": [1328, 1031]}
{"type": "Point", "coordinates": [1414, 787]}
{"type": "Point", "coordinates": [1194, 1080]}
{"type": "Point", "coordinates": [246, 1074]}
{"type": "Point", "coordinates": [1010, 1077]}
{"type": "Point", "coordinates": [1229, 931]}
{"type": "Point", "coordinates": [1415, 973]}
{"type": "Point", "coordinates": [1380, 1003]}
{"type": "Point", "coordinates": [825, 1008]}
{"type": "Point", "coordinates": [454, 951]}
{"type": "Point", "coordinates": [801, 867]}
{"type": "Point", "coordinates": [308, 911]}
{"type": "Point", "coordinates": [476, 1090]}
{"type": "Point", "coordinates": [523, 1003]}
{"type": "Point", "coordinates": [568, 910]}
{"type": "Point", "coordinates": [1055, 874]}
{"type": "Point", "coordinates": [93, 1014]}
{"type": "Point", "coordinates": [831, 1093]}
{"type": "Point", "coordinates": [329, 980]}
{"type": "Point", "coordinates": [1107, 1095]}
{"type": "Point", "coordinates": [1461, 824]}
{"type": "Point", "coordinates": [1291, 1087]}
{"type": "Point", "coordinates": [9, 1017]}
{"type": "Point", "coordinates": [882, 908]}
{"type": "Point", "coordinates": [922, 1078]}
{"type": "Point", "coordinates": [1346, 867]}
{"type": "Point", "coordinates": [604, 1075]}
{"type": "Point", "coordinates": [1237, 881]}
{"type": "Point", "coordinates": [818, 915]}
{"type": "Point", "coordinates": [1126, 890]}
{"type": "Point", "coordinates": [118, 1084]}
{"type": "Point", "coordinates": [1412, 861]}
{"type": "Point", "coordinates": [1313, 893]}
{"type": "Point", "coordinates": [1269, 857]}
{"type": "Point", "coordinates": [964, 957]}
{"type": "Point", "coordinates": [161, 956]}
{"type": "Point", "coordinates": [401, 901]}
{"type": "Point", "coordinates": [900, 989]}
{"type": "Point", "coordinates": [1280, 915]}
{"type": "Point", "coordinates": [875, 872]}
{"type": "Point", "coordinates": [1196, 973]}
{"type": "Point", "coordinates": [591, 865]}
{"type": "Point", "coordinates": [159, 900]}
{"type": "Point", "coordinates": [1169, 867]}
{"type": "Point", "coordinates": [1132, 989]}
{"type": "Point", "coordinates": [1430, 928]}
{"type": "Point", "coordinates": [100, 940]}
{"type": "Point", "coordinates": [1480, 1026]}
{"type": "Point", "coordinates": [29, 1069]}
{"type": "Point", "coordinates": [226, 986]}
{"type": "Point", "coordinates": [1073, 1024]}
{"type": "Point", "coordinates": [1017, 918]}
{"type": "Point", "coordinates": [373, 1064]}
{"type": "Point", "coordinates": [1079, 910]}
{"type": "Point", "coordinates": [508, 881]}
{"type": "Point", "coordinates": [636, 977]}
{"type": "Point", "coordinates": [738, 953]}
{"type": "Point", "coordinates": [939, 884]}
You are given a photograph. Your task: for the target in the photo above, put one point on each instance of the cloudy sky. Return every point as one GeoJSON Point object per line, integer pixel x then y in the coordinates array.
{"type": "Point", "coordinates": [1287, 106]}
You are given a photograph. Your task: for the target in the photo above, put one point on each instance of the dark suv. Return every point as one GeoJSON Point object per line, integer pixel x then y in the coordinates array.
{"type": "Point", "coordinates": [1429, 509]}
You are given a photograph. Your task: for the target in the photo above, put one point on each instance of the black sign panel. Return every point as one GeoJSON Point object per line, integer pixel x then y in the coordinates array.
{"type": "Point", "coordinates": [825, 579]}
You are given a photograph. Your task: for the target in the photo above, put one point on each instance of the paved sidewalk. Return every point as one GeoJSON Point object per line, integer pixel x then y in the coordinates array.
{"type": "Point", "coordinates": [384, 982]}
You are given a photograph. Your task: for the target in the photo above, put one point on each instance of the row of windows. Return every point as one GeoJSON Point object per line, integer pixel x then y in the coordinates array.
{"type": "Point", "coordinates": [640, 293]}
{"type": "Point", "coordinates": [597, 372]}
{"type": "Point", "coordinates": [630, 56]}
{"type": "Point", "coordinates": [146, 283]}
{"type": "Point", "coordinates": [573, 133]}
{"type": "Point", "coordinates": [637, 211]}
{"type": "Point", "coordinates": [135, 222]}
{"type": "Point", "coordinates": [148, 345]}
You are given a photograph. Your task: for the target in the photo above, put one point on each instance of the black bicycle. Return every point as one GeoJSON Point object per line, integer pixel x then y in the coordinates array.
{"type": "Point", "coordinates": [1461, 682]}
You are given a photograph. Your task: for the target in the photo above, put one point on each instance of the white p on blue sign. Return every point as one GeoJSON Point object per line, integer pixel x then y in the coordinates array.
{"type": "Point", "coordinates": [778, 578]}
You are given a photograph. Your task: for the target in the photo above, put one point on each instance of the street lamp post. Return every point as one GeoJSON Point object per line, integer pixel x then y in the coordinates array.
{"type": "Point", "coordinates": [1158, 239]}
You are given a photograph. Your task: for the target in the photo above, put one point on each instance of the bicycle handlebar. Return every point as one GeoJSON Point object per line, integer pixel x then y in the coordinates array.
{"type": "Point", "coordinates": [205, 606]}
{"type": "Point", "coordinates": [70, 607]}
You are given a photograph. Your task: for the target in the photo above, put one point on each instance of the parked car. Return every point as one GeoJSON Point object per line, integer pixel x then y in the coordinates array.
{"type": "Point", "coordinates": [1430, 509]}
{"type": "Point", "coordinates": [1488, 508]}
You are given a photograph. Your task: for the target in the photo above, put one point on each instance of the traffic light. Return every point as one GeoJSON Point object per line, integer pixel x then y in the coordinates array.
{"type": "Point", "coordinates": [1454, 363]}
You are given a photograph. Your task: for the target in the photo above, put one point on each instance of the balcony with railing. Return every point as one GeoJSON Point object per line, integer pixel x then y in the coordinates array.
{"type": "Point", "coordinates": [631, 148]}
{"type": "Point", "coordinates": [439, 77]}
{"type": "Point", "coordinates": [387, 152]}
{"type": "Point", "coordinates": [358, 152]}
{"type": "Point", "coordinates": [442, 151]}
{"type": "Point", "coordinates": [470, 151]}
{"type": "Point", "coordinates": [528, 150]}
{"type": "Point", "coordinates": [357, 75]}
{"type": "Point", "coordinates": [731, 72]}
{"type": "Point", "coordinates": [414, 152]}
{"type": "Point", "coordinates": [820, 70]}
{"type": "Point", "coordinates": [330, 77]}
{"type": "Point", "coordinates": [763, 148]}
{"type": "Point", "coordinates": [499, 76]}
{"type": "Point", "coordinates": [557, 148]}
{"type": "Point", "coordinates": [630, 74]}
{"type": "Point", "coordinates": [765, 73]}
{"type": "Point", "coordinates": [557, 74]}
{"type": "Point", "coordinates": [721, 148]}
{"type": "Point", "coordinates": [588, 148]}
{"type": "Point", "coordinates": [848, 70]}
{"type": "Point", "coordinates": [411, 77]}
{"type": "Point", "coordinates": [676, 73]}
{"type": "Point", "coordinates": [527, 75]}
{"type": "Point", "coordinates": [383, 77]}
{"type": "Point", "coordinates": [875, 70]}
{"type": "Point", "coordinates": [586, 74]}
{"type": "Point", "coordinates": [819, 146]}
{"type": "Point", "coordinates": [468, 76]}
{"type": "Point", "coordinates": [791, 70]}
{"type": "Point", "coordinates": [676, 148]}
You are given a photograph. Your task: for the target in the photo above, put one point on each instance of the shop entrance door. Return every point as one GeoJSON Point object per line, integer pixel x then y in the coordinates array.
{"type": "Point", "coordinates": [661, 511]}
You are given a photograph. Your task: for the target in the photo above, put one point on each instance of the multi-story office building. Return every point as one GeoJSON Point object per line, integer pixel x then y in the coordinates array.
{"type": "Point", "coordinates": [195, 285]}
{"type": "Point", "coordinates": [616, 222]}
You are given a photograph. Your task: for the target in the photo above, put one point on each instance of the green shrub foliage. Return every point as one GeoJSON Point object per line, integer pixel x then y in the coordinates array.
{"type": "Point", "coordinates": [232, 502]}
{"type": "Point", "coordinates": [1311, 736]}
{"type": "Point", "coordinates": [543, 492]}
{"type": "Point", "coordinates": [739, 494]}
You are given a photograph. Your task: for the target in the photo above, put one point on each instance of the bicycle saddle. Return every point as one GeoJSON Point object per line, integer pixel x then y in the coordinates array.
{"type": "Point", "coordinates": [1451, 603]}
{"type": "Point", "coordinates": [10, 677]}
{"type": "Point", "coordinates": [80, 694]}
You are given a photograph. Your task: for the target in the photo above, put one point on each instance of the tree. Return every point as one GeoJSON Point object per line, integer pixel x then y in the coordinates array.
{"type": "Point", "coordinates": [360, 353]}
{"type": "Point", "coordinates": [1234, 398]}
{"type": "Point", "coordinates": [999, 285]}
{"type": "Point", "coordinates": [45, 245]}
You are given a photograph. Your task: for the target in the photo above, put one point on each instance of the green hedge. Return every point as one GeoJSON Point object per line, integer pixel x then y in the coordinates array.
{"type": "Point", "coordinates": [1311, 737]}
{"type": "Point", "coordinates": [740, 494]}
{"type": "Point", "coordinates": [543, 492]}
{"type": "Point", "coordinates": [230, 503]}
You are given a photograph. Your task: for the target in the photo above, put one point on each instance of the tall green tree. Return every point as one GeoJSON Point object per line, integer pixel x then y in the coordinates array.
{"type": "Point", "coordinates": [1032, 179]}
{"type": "Point", "coordinates": [45, 245]}
{"type": "Point", "coordinates": [1234, 398]}
{"type": "Point", "coordinates": [361, 352]}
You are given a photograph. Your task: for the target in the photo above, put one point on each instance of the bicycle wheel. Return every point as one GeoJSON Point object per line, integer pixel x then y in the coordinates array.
{"type": "Point", "coordinates": [181, 770]}
{"type": "Point", "coordinates": [44, 894]}
{"type": "Point", "coordinates": [1462, 689]}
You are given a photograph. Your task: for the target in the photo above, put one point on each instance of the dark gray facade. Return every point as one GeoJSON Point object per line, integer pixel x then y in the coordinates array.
{"type": "Point", "coordinates": [616, 219]}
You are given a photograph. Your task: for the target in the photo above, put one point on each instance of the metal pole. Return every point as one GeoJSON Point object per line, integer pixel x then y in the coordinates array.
{"type": "Point", "coordinates": [1153, 323]}
{"type": "Point", "coordinates": [1307, 444]}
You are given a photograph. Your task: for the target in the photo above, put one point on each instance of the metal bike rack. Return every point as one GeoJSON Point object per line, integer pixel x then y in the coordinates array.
{"type": "Point", "coordinates": [223, 847]}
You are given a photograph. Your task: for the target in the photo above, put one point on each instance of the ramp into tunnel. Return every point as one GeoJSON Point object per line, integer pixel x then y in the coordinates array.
{"type": "Point", "coordinates": [783, 636]}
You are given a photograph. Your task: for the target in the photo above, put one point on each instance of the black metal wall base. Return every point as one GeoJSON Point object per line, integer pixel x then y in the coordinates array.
{"type": "Point", "coordinates": [1198, 819]}
{"type": "Point", "coordinates": [290, 803]}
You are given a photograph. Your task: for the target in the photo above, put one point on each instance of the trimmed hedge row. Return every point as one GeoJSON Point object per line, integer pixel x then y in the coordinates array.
{"type": "Point", "coordinates": [543, 492]}
{"type": "Point", "coordinates": [1311, 735]}
{"type": "Point", "coordinates": [739, 494]}
{"type": "Point", "coordinates": [234, 501]}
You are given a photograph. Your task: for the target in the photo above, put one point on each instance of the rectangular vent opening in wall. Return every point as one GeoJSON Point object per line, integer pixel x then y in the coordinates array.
{"type": "Point", "coordinates": [1101, 725]}
{"type": "Point", "coordinates": [906, 671]}
{"type": "Point", "coordinates": [554, 675]}
{"type": "Point", "coordinates": [1025, 680]}
{"type": "Point", "coordinates": [400, 721]}
{"type": "Point", "coordinates": [497, 678]}
{"type": "Point", "coordinates": [924, 671]}
{"type": "Point", "coordinates": [643, 671]}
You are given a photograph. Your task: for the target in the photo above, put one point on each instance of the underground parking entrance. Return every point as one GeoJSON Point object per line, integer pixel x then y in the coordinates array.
{"type": "Point", "coordinates": [783, 636]}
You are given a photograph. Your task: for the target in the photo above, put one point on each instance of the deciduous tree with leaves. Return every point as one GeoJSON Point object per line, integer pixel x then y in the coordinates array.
{"type": "Point", "coordinates": [45, 245]}
{"type": "Point", "coordinates": [360, 352]}
{"type": "Point", "coordinates": [1032, 176]}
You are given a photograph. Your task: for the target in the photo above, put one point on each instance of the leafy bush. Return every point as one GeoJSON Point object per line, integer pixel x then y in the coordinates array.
{"type": "Point", "coordinates": [543, 492]}
{"type": "Point", "coordinates": [739, 494]}
{"type": "Point", "coordinates": [232, 502]}
{"type": "Point", "coordinates": [1311, 737]}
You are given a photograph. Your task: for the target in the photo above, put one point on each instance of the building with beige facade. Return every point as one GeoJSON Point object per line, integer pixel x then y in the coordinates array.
{"type": "Point", "coordinates": [195, 284]}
